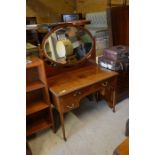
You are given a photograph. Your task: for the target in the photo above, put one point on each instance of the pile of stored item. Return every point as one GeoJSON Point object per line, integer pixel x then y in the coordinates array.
{"type": "Point", "coordinates": [115, 58]}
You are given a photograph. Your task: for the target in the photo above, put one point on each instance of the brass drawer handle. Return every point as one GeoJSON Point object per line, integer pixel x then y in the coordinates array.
{"type": "Point", "coordinates": [104, 84]}
{"type": "Point", "coordinates": [70, 107]}
{"type": "Point", "coordinates": [77, 93]}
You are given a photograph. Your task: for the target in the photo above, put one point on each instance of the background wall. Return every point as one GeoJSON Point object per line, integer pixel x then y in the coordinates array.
{"type": "Point", "coordinates": [51, 10]}
{"type": "Point", "coordinates": [86, 6]}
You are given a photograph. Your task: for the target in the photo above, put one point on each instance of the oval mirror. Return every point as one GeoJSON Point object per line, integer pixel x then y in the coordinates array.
{"type": "Point", "coordinates": [67, 44]}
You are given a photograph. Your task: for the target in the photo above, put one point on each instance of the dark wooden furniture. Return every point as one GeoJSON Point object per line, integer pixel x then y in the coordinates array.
{"type": "Point", "coordinates": [122, 85]}
{"type": "Point", "coordinates": [68, 88]}
{"type": "Point", "coordinates": [120, 24]}
{"type": "Point", "coordinates": [120, 33]}
{"type": "Point", "coordinates": [38, 106]}
{"type": "Point", "coordinates": [127, 128]}
{"type": "Point", "coordinates": [70, 82]}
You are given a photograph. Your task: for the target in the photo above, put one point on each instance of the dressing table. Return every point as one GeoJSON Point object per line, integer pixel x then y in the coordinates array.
{"type": "Point", "coordinates": [71, 69]}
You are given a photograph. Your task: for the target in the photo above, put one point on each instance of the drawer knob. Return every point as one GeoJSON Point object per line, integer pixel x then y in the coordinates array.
{"type": "Point", "coordinates": [79, 93]}
{"type": "Point", "coordinates": [70, 107]}
{"type": "Point", "coordinates": [75, 94]}
{"type": "Point", "coordinates": [104, 84]}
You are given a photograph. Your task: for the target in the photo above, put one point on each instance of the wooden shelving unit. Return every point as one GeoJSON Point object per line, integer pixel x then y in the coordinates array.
{"type": "Point", "coordinates": [38, 106]}
{"type": "Point", "coordinates": [38, 121]}
{"type": "Point", "coordinates": [34, 85]}
{"type": "Point", "coordinates": [37, 126]}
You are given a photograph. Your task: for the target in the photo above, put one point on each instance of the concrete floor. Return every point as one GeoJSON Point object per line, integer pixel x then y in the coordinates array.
{"type": "Point", "coordinates": [92, 129]}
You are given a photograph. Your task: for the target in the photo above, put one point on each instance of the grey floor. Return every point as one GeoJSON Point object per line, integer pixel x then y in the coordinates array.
{"type": "Point", "coordinates": [92, 129]}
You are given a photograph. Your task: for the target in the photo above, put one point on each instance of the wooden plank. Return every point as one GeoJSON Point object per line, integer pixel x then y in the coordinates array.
{"type": "Point", "coordinates": [37, 126]}
{"type": "Point", "coordinates": [34, 85]}
{"type": "Point", "coordinates": [35, 107]}
{"type": "Point", "coordinates": [67, 82]}
{"type": "Point", "coordinates": [33, 62]}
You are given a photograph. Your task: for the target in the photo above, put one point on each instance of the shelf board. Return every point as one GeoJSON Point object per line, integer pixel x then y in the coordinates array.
{"type": "Point", "coordinates": [37, 126]}
{"type": "Point", "coordinates": [34, 85]}
{"type": "Point", "coordinates": [33, 62]}
{"type": "Point", "coordinates": [36, 106]}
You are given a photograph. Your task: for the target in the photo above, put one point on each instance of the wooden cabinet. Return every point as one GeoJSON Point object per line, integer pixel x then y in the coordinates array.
{"type": "Point", "coordinates": [120, 34]}
{"type": "Point", "coordinates": [120, 25]}
{"type": "Point", "coordinates": [38, 107]}
{"type": "Point", "coordinates": [122, 90]}
{"type": "Point", "coordinates": [109, 85]}
{"type": "Point", "coordinates": [122, 85]}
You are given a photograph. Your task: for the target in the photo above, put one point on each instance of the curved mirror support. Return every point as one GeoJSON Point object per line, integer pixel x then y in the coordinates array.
{"type": "Point", "coordinates": [68, 45]}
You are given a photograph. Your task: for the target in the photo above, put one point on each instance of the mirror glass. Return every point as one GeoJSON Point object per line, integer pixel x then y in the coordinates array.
{"type": "Point", "coordinates": [68, 45]}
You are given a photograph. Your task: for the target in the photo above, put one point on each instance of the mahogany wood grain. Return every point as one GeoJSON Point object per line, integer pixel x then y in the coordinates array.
{"type": "Point", "coordinates": [69, 84]}
{"type": "Point", "coordinates": [68, 88]}
{"type": "Point", "coordinates": [76, 79]}
{"type": "Point", "coordinates": [122, 85]}
{"type": "Point", "coordinates": [34, 85]}
{"type": "Point", "coordinates": [120, 24]}
{"type": "Point", "coordinates": [54, 70]}
{"type": "Point", "coordinates": [36, 106]}
{"type": "Point", "coordinates": [35, 62]}
{"type": "Point", "coordinates": [38, 125]}
{"type": "Point", "coordinates": [110, 87]}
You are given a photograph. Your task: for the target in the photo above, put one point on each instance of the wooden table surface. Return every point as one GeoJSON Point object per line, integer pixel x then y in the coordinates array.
{"type": "Point", "coordinates": [64, 84]}
{"type": "Point", "coordinates": [67, 82]}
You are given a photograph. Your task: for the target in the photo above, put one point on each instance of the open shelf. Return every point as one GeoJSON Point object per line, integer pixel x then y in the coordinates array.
{"type": "Point", "coordinates": [36, 106]}
{"type": "Point", "coordinates": [37, 125]}
{"type": "Point", "coordinates": [38, 110]}
{"type": "Point", "coordinates": [34, 85]}
{"type": "Point", "coordinates": [33, 62]}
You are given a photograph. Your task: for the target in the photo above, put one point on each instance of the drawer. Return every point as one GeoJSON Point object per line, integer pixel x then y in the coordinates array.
{"type": "Point", "coordinates": [90, 89]}
{"type": "Point", "coordinates": [69, 102]}
{"type": "Point", "coordinates": [72, 100]}
{"type": "Point", "coordinates": [109, 83]}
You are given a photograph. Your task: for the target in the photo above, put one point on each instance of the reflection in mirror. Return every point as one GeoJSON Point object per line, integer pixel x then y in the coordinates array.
{"type": "Point", "coordinates": [68, 45]}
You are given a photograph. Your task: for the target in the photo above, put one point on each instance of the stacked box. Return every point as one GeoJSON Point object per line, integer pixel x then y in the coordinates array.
{"type": "Point", "coordinates": [115, 58]}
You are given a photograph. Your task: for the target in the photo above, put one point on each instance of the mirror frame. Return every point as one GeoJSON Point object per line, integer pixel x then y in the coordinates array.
{"type": "Point", "coordinates": [55, 63]}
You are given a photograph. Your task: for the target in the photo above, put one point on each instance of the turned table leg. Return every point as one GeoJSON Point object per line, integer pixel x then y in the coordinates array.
{"type": "Point", "coordinates": [62, 125]}
{"type": "Point", "coordinates": [114, 100]}
{"type": "Point", "coordinates": [114, 94]}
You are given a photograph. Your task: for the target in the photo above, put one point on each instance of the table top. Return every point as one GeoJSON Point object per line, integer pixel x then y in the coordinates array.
{"type": "Point", "coordinates": [70, 81]}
